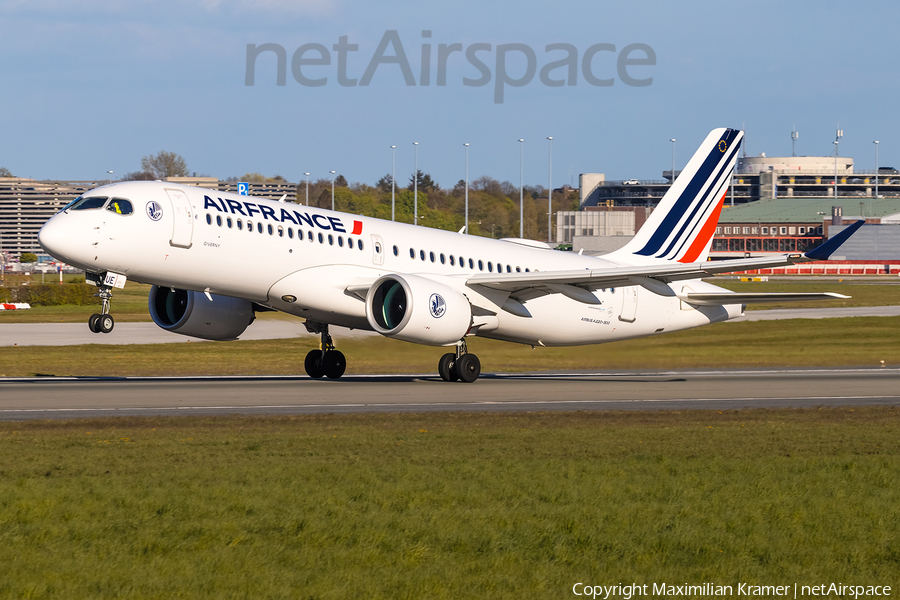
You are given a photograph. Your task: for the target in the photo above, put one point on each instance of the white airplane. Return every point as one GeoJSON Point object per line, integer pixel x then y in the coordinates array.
{"type": "Point", "coordinates": [216, 258]}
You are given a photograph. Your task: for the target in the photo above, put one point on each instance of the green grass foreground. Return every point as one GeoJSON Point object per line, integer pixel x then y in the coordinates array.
{"type": "Point", "coordinates": [858, 341]}
{"type": "Point", "coordinates": [446, 505]}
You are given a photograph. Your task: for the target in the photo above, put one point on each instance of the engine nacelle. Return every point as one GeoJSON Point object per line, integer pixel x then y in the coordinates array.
{"type": "Point", "coordinates": [192, 313]}
{"type": "Point", "coordinates": [418, 309]}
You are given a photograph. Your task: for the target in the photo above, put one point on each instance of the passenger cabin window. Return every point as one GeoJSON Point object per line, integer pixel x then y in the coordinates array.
{"type": "Point", "coordinates": [120, 206]}
{"type": "Point", "coordinates": [89, 202]}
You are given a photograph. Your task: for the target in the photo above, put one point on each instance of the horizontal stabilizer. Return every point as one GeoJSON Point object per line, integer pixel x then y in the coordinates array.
{"type": "Point", "coordinates": [760, 298]}
{"type": "Point", "coordinates": [824, 251]}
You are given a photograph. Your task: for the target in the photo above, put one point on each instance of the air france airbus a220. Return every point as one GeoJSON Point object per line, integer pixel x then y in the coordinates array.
{"type": "Point", "coordinates": [198, 248]}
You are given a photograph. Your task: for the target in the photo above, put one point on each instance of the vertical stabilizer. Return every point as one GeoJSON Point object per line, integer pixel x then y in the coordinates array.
{"type": "Point", "coordinates": [681, 227]}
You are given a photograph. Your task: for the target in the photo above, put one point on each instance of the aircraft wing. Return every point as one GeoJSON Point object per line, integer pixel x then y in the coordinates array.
{"type": "Point", "coordinates": [578, 284]}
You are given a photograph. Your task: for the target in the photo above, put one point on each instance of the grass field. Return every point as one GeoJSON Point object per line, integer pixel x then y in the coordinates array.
{"type": "Point", "coordinates": [860, 341]}
{"type": "Point", "coordinates": [446, 505]}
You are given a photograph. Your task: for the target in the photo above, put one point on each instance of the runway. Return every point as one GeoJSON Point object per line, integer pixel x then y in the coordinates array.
{"type": "Point", "coordinates": [72, 334]}
{"type": "Point", "coordinates": [66, 398]}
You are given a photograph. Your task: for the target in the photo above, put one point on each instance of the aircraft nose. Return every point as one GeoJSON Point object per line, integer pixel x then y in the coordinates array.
{"type": "Point", "coordinates": [51, 237]}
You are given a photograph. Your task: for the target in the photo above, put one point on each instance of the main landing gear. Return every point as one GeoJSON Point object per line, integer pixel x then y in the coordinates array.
{"type": "Point", "coordinates": [459, 365]}
{"type": "Point", "coordinates": [326, 361]}
{"type": "Point", "coordinates": [103, 322]}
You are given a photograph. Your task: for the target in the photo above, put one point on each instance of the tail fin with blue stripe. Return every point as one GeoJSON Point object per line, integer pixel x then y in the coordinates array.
{"type": "Point", "coordinates": [681, 227]}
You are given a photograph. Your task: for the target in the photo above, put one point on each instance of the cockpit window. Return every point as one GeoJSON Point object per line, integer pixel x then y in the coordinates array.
{"type": "Point", "coordinates": [120, 206]}
{"type": "Point", "coordinates": [88, 202]}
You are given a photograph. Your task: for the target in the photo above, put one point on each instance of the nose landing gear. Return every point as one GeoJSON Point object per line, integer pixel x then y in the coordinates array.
{"type": "Point", "coordinates": [103, 322]}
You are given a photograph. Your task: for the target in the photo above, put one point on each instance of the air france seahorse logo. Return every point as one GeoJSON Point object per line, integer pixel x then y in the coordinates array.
{"type": "Point", "coordinates": [437, 306]}
{"type": "Point", "coordinates": [154, 211]}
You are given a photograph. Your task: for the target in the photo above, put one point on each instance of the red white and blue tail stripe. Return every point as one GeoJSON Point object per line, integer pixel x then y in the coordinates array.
{"type": "Point", "coordinates": [681, 227]}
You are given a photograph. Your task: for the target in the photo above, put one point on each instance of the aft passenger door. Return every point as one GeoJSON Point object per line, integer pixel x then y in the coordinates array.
{"type": "Point", "coordinates": [183, 219]}
{"type": "Point", "coordinates": [629, 304]}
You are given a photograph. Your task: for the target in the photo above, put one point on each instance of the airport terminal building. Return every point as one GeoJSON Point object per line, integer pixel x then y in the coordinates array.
{"type": "Point", "coordinates": [756, 178]}
{"type": "Point", "coordinates": [775, 204]}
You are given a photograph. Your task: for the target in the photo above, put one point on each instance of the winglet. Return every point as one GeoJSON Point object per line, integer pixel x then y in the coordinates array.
{"type": "Point", "coordinates": [827, 249]}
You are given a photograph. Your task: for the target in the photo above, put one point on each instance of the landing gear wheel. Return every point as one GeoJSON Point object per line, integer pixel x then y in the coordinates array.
{"type": "Point", "coordinates": [447, 367]}
{"type": "Point", "coordinates": [468, 367]}
{"type": "Point", "coordinates": [335, 364]}
{"type": "Point", "coordinates": [105, 323]}
{"type": "Point", "coordinates": [313, 364]}
{"type": "Point", "coordinates": [92, 323]}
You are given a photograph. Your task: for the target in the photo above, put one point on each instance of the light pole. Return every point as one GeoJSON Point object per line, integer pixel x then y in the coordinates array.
{"type": "Point", "coordinates": [835, 168]}
{"type": "Point", "coordinates": [416, 186]}
{"type": "Point", "coordinates": [837, 138]}
{"type": "Point", "coordinates": [307, 188]}
{"type": "Point", "coordinates": [549, 187]}
{"type": "Point", "coordinates": [521, 189]}
{"type": "Point", "coordinates": [393, 168]}
{"type": "Point", "coordinates": [672, 180]}
{"type": "Point", "coordinates": [332, 189]}
{"type": "Point", "coordinates": [876, 169]}
{"type": "Point", "coordinates": [109, 180]}
{"type": "Point", "coordinates": [467, 188]}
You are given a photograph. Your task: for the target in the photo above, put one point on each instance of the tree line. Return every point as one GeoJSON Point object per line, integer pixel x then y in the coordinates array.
{"type": "Point", "coordinates": [493, 205]}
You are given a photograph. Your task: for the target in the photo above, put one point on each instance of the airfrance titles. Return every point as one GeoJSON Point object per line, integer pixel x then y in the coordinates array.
{"type": "Point", "coordinates": [281, 215]}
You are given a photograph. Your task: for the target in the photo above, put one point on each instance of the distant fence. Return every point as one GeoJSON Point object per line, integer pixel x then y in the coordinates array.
{"type": "Point", "coordinates": [834, 267]}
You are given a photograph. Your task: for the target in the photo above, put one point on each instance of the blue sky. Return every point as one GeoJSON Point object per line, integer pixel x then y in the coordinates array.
{"type": "Point", "coordinates": [94, 86]}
